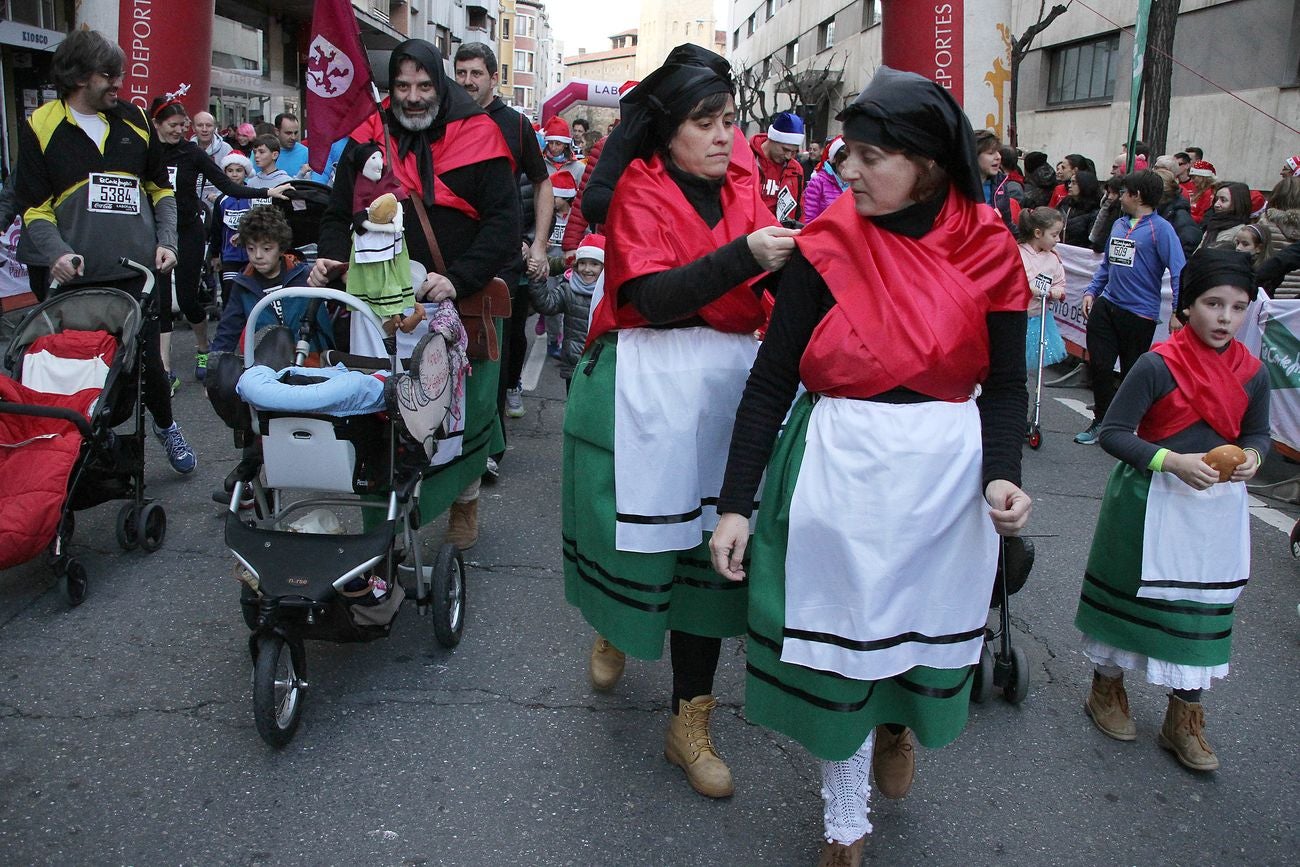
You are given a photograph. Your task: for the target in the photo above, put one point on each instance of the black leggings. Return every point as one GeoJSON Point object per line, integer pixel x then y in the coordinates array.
{"type": "Point", "coordinates": [185, 279]}
{"type": "Point", "coordinates": [695, 660]}
{"type": "Point", "coordinates": [1113, 333]}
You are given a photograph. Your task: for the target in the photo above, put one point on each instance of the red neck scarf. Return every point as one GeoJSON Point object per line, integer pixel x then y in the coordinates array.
{"type": "Point", "coordinates": [653, 228]}
{"type": "Point", "coordinates": [1210, 388]}
{"type": "Point", "coordinates": [474, 139]}
{"type": "Point", "coordinates": [909, 312]}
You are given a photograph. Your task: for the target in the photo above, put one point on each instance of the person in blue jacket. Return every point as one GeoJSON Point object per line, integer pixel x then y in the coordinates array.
{"type": "Point", "coordinates": [1122, 303]}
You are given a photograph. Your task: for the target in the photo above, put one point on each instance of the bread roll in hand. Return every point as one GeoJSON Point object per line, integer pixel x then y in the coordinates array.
{"type": "Point", "coordinates": [1224, 460]}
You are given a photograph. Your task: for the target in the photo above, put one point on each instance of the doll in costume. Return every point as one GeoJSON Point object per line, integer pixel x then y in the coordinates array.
{"type": "Point", "coordinates": [379, 271]}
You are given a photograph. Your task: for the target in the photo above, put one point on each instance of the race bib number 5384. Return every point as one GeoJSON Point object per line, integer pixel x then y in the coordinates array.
{"type": "Point", "coordinates": [113, 194]}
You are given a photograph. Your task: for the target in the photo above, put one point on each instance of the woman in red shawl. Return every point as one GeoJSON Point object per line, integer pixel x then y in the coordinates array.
{"type": "Point", "coordinates": [651, 406]}
{"type": "Point", "coordinates": [902, 313]}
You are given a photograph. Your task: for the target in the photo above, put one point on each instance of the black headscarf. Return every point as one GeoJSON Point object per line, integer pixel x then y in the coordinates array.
{"type": "Point", "coordinates": [454, 103]}
{"type": "Point", "coordinates": [1212, 267]}
{"type": "Point", "coordinates": [903, 111]}
{"type": "Point", "coordinates": [652, 111]}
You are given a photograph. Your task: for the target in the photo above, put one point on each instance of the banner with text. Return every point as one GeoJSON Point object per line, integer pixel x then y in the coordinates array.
{"type": "Point", "coordinates": [167, 43]}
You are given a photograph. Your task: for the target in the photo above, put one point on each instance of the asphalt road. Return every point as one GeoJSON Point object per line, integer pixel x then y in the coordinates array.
{"type": "Point", "coordinates": [126, 731]}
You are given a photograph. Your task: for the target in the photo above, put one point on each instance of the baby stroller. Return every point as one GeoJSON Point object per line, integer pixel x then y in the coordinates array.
{"type": "Point", "coordinates": [1005, 667]}
{"type": "Point", "coordinates": [76, 362]}
{"type": "Point", "coordinates": [333, 585]}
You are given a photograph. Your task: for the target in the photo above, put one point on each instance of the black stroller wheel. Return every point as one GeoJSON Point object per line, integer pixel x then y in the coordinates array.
{"type": "Point", "coordinates": [447, 596]}
{"type": "Point", "coordinates": [74, 583]}
{"type": "Point", "coordinates": [128, 527]}
{"type": "Point", "coordinates": [1017, 685]}
{"type": "Point", "coordinates": [1295, 540]}
{"type": "Point", "coordinates": [153, 527]}
{"type": "Point", "coordinates": [982, 678]}
{"type": "Point", "coordinates": [1035, 437]}
{"type": "Point", "coordinates": [278, 690]}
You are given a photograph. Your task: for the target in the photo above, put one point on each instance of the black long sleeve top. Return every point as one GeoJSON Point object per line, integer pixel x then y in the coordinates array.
{"type": "Point", "coordinates": [802, 300]}
{"type": "Point", "coordinates": [190, 161]}
{"type": "Point", "coordinates": [672, 298]}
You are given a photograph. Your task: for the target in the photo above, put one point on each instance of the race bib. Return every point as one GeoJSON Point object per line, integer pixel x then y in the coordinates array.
{"type": "Point", "coordinates": [785, 204]}
{"type": "Point", "coordinates": [113, 194]}
{"type": "Point", "coordinates": [1042, 284]}
{"type": "Point", "coordinates": [1122, 252]}
{"type": "Point", "coordinates": [557, 235]}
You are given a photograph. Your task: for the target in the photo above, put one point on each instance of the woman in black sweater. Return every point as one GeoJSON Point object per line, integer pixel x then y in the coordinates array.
{"type": "Point", "coordinates": [186, 161]}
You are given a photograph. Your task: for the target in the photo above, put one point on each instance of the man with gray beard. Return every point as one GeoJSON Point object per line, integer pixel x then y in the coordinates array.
{"type": "Point", "coordinates": [451, 160]}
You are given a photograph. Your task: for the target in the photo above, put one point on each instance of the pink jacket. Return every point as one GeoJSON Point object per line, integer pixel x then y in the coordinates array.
{"type": "Point", "coordinates": [822, 190]}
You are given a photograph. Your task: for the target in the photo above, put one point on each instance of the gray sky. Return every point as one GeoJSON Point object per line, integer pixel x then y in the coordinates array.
{"type": "Point", "coordinates": [589, 23]}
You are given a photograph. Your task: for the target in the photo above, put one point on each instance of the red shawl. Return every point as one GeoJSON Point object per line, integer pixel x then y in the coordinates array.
{"type": "Point", "coordinates": [471, 140]}
{"type": "Point", "coordinates": [909, 312]}
{"type": "Point", "coordinates": [1210, 387]}
{"type": "Point", "coordinates": [653, 228]}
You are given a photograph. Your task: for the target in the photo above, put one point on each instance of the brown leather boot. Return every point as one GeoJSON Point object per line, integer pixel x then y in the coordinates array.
{"type": "Point", "coordinates": [840, 855]}
{"type": "Point", "coordinates": [606, 664]}
{"type": "Point", "coordinates": [1107, 704]}
{"type": "Point", "coordinates": [462, 525]}
{"type": "Point", "coordinates": [689, 746]}
{"type": "Point", "coordinates": [893, 762]}
{"type": "Point", "coordinates": [1183, 734]}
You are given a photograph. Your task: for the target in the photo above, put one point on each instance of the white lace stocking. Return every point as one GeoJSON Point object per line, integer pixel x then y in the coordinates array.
{"type": "Point", "coordinates": [846, 791]}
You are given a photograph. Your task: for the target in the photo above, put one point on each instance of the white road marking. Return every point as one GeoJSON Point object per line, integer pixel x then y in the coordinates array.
{"type": "Point", "coordinates": [536, 359]}
{"type": "Point", "coordinates": [1267, 514]}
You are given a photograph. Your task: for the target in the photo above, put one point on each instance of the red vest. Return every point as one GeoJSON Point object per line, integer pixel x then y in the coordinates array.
{"type": "Point", "coordinates": [909, 312]}
{"type": "Point", "coordinates": [471, 140]}
{"type": "Point", "coordinates": [653, 228]}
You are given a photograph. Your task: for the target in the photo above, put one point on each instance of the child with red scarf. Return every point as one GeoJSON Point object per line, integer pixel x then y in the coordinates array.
{"type": "Point", "coordinates": [1171, 552]}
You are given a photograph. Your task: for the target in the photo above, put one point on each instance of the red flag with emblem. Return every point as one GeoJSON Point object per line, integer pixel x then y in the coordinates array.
{"type": "Point", "coordinates": [339, 90]}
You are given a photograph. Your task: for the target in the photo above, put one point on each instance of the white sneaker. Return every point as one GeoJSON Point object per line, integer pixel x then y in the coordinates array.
{"type": "Point", "coordinates": [515, 403]}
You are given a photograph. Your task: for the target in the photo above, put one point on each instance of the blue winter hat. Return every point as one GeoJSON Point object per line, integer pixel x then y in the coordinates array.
{"type": "Point", "coordinates": [786, 129]}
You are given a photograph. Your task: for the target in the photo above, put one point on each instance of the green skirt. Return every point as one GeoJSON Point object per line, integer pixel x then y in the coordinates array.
{"type": "Point", "coordinates": [1187, 633]}
{"type": "Point", "coordinates": [629, 598]}
{"type": "Point", "coordinates": [828, 713]}
{"type": "Point", "coordinates": [385, 286]}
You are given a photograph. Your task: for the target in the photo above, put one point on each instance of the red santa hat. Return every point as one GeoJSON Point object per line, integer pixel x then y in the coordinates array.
{"type": "Point", "coordinates": [1293, 163]}
{"type": "Point", "coordinates": [236, 158]}
{"type": "Point", "coordinates": [592, 247]}
{"type": "Point", "coordinates": [1202, 169]}
{"type": "Point", "coordinates": [558, 130]}
{"type": "Point", "coordinates": [562, 185]}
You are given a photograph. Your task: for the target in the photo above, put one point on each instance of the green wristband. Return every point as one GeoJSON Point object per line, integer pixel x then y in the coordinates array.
{"type": "Point", "coordinates": [1157, 464]}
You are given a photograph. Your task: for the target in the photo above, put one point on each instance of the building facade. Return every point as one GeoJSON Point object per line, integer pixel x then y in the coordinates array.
{"type": "Point", "coordinates": [666, 24]}
{"type": "Point", "coordinates": [617, 65]}
{"type": "Point", "coordinates": [815, 55]}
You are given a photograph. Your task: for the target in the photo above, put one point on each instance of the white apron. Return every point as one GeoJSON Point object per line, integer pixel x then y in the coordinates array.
{"type": "Point", "coordinates": [892, 555]}
{"type": "Point", "coordinates": [1180, 520]}
{"type": "Point", "coordinates": [676, 394]}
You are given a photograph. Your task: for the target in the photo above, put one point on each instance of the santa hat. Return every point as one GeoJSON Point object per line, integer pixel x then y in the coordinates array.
{"type": "Point", "coordinates": [592, 247]}
{"type": "Point", "coordinates": [786, 129]}
{"type": "Point", "coordinates": [1139, 163]}
{"type": "Point", "coordinates": [558, 130]}
{"type": "Point", "coordinates": [1293, 163]}
{"type": "Point", "coordinates": [562, 185]}
{"type": "Point", "coordinates": [1202, 169]}
{"type": "Point", "coordinates": [1257, 203]}
{"type": "Point", "coordinates": [235, 158]}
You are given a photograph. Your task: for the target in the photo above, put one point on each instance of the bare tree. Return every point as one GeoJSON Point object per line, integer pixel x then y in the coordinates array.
{"type": "Point", "coordinates": [1020, 48]}
{"type": "Point", "coordinates": [1157, 70]}
{"type": "Point", "coordinates": [751, 95]}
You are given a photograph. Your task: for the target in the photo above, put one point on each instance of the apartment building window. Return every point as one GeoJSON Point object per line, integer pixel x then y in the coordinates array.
{"type": "Point", "coordinates": [749, 26]}
{"type": "Point", "coordinates": [735, 38]}
{"type": "Point", "coordinates": [442, 38]}
{"type": "Point", "coordinates": [792, 53]}
{"type": "Point", "coordinates": [870, 13]}
{"type": "Point", "coordinates": [523, 61]}
{"type": "Point", "coordinates": [38, 13]}
{"type": "Point", "coordinates": [505, 28]}
{"type": "Point", "coordinates": [1083, 72]}
{"type": "Point", "coordinates": [771, 9]}
{"type": "Point", "coordinates": [505, 73]}
{"type": "Point", "coordinates": [826, 35]}
{"type": "Point", "coordinates": [524, 97]}
{"type": "Point", "coordinates": [524, 25]}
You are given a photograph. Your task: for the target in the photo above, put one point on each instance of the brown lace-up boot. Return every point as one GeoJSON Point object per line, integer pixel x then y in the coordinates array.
{"type": "Point", "coordinates": [606, 664]}
{"type": "Point", "coordinates": [689, 746]}
{"type": "Point", "coordinates": [893, 762]}
{"type": "Point", "coordinates": [840, 855]}
{"type": "Point", "coordinates": [1107, 704]}
{"type": "Point", "coordinates": [462, 525]}
{"type": "Point", "coordinates": [1183, 734]}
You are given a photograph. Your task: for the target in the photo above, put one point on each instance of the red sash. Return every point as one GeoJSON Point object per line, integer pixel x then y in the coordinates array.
{"type": "Point", "coordinates": [909, 312]}
{"type": "Point", "coordinates": [652, 228]}
{"type": "Point", "coordinates": [471, 140]}
{"type": "Point", "coordinates": [1210, 388]}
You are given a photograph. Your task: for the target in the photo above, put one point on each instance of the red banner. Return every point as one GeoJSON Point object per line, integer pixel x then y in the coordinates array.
{"type": "Point", "coordinates": [338, 79]}
{"type": "Point", "coordinates": [925, 38]}
{"type": "Point", "coordinates": [167, 43]}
